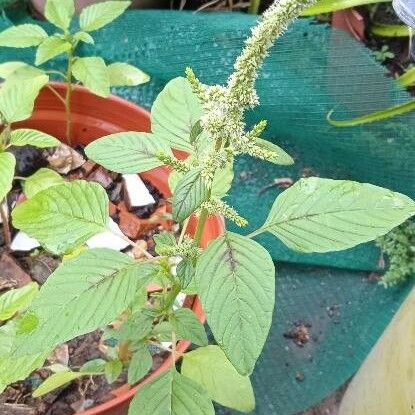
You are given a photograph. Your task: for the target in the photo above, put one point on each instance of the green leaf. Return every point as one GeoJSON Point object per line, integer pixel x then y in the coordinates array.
{"type": "Point", "coordinates": [113, 369]}
{"type": "Point", "coordinates": [26, 323]}
{"type": "Point", "coordinates": [98, 15]}
{"type": "Point", "coordinates": [57, 380]}
{"type": "Point", "coordinates": [174, 113]}
{"type": "Point", "coordinates": [190, 192]}
{"type": "Point", "coordinates": [94, 366]}
{"type": "Point", "coordinates": [7, 166]}
{"type": "Point", "coordinates": [41, 180]}
{"type": "Point", "coordinates": [75, 211]}
{"type": "Point", "coordinates": [15, 300]}
{"type": "Point", "coordinates": [140, 364]}
{"type": "Point", "coordinates": [164, 243]}
{"type": "Point", "coordinates": [17, 71]}
{"type": "Point", "coordinates": [281, 157]}
{"type": "Point", "coordinates": [222, 181]}
{"type": "Point", "coordinates": [60, 12]}
{"type": "Point", "coordinates": [122, 74]}
{"type": "Point", "coordinates": [93, 73]}
{"type": "Point", "coordinates": [235, 276]}
{"type": "Point", "coordinates": [323, 215]}
{"type": "Point", "coordinates": [374, 116]}
{"type": "Point", "coordinates": [129, 152]}
{"type": "Point", "coordinates": [196, 131]}
{"type": "Point", "coordinates": [406, 79]}
{"type": "Point", "coordinates": [35, 138]}
{"type": "Point", "coordinates": [13, 369]}
{"type": "Point", "coordinates": [187, 326]}
{"type": "Point", "coordinates": [185, 272]}
{"type": "Point", "coordinates": [17, 98]}
{"type": "Point", "coordinates": [328, 6]}
{"type": "Point", "coordinates": [84, 37]}
{"type": "Point", "coordinates": [51, 47]}
{"type": "Point", "coordinates": [209, 367]}
{"type": "Point", "coordinates": [22, 36]}
{"type": "Point", "coordinates": [171, 393]}
{"type": "Point", "coordinates": [390, 30]}
{"type": "Point", "coordinates": [99, 285]}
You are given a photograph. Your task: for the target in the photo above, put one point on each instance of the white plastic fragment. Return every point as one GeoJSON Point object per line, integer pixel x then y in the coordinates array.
{"type": "Point", "coordinates": [179, 301]}
{"type": "Point", "coordinates": [107, 239]}
{"type": "Point", "coordinates": [137, 192]}
{"type": "Point", "coordinates": [23, 242]}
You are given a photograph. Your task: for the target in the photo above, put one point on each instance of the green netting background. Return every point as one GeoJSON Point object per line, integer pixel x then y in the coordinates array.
{"type": "Point", "coordinates": [311, 70]}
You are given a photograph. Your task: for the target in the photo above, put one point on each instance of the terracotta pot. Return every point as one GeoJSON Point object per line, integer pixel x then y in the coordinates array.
{"type": "Point", "coordinates": [351, 21]}
{"type": "Point", "coordinates": [94, 117]}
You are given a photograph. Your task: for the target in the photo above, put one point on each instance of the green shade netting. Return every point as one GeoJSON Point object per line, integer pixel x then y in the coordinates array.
{"type": "Point", "coordinates": [310, 71]}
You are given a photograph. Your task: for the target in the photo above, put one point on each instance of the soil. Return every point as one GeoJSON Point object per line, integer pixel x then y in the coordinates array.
{"type": "Point", "coordinates": [19, 268]}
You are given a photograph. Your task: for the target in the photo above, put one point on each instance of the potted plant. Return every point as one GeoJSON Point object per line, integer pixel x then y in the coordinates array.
{"type": "Point", "coordinates": [233, 275]}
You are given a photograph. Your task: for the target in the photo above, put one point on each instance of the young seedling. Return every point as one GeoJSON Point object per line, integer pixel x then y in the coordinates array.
{"type": "Point", "coordinates": [91, 71]}
{"type": "Point", "coordinates": [16, 104]}
{"type": "Point", "coordinates": [234, 275]}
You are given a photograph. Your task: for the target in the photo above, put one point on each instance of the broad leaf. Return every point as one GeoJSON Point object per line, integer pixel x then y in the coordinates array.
{"type": "Point", "coordinates": [190, 192]}
{"type": "Point", "coordinates": [129, 152]}
{"type": "Point", "coordinates": [60, 12]}
{"type": "Point", "coordinates": [51, 47]}
{"type": "Point", "coordinates": [18, 71]}
{"type": "Point", "coordinates": [140, 364]}
{"type": "Point", "coordinates": [280, 156]}
{"type": "Point", "coordinates": [94, 366]}
{"type": "Point", "coordinates": [17, 98]}
{"type": "Point", "coordinates": [59, 379]}
{"type": "Point", "coordinates": [13, 369]}
{"type": "Point", "coordinates": [35, 138]}
{"type": "Point", "coordinates": [209, 367]}
{"type": "Point", "coordinates": [75, 211]}
{"type": "Point", "coordinates": [185, 271]}
{"type": "Point", "coordinates": [98, 15]}
{"type": "Point", "coordinates": [113, 369]}
{"type": "Point", "coordinates": [322, 215]}
{"type": "Point", "coordinates": [171, 393]}
{"type": "Point", "coordinates": [22, 36]}
{"type": "Point", "coordinates": [122, 74]}
{"type": "Point", "coordinates": [174, 113]}
{"type": "Point", "coordinates": [93, 73]}
{"type": "Point", "coordinates": [187, 326]}
{"type": "Point", "coordinates": [15, 300]}
{"type": "Point", "coordinates": [98, 285]}
{"type": "Point", "coordinates": [7, 166]}
{"type": "Point", "coordinates": [84, 37]}
{"type": "Point", "coordinates": [235, 276]}
{"type": "Point", "coordinates": [41, 180]}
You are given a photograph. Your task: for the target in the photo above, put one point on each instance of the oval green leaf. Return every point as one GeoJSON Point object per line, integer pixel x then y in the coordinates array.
{"type": "Point", "coordinates": [15, 300]}
{"type": "Point", "coordinates": [209, 367]}
{"type": "Point", "coordinates": [122, 74]}
{"type": "Point", "coordinates": [41, 180]}
{"type": "Point", "coordinates": [93, 73]}
{"type": "Point", "coordinates": [191, 191]}
{"type": "Point", "coordinates": [22, 36]}
{"type": "Point", "coordinates": [174, 113]}
{"type": "Point", "coordinates": [75, 211]}
{"type": "Point", "coordinates": [323, 215]}
{"type": "Point", "coordinates": [98, 15]}
{"type": "Point", "coordinates": [51, 47]}
{"type": "Point", "coordinates": [60, 12]}
{"type": "Point", "coordinates": [7, 166]}
{"type": "Point", "coordinates": [236, 281]}
{"type": "Point", "coordinates": [35, 138]}
{"type": "Point", "coordinates": [129, 152]}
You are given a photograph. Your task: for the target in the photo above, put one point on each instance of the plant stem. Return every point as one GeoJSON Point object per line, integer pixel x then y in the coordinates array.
{"type": "Point", "coordinates": [57, 94]}
{"type": "Point", "coordinates": [183, 232]}
{"type": "Point", "coordinates": [68, 97]}
{"type": "Point", "coordinates": [4, 213]}
{"type": "Point", "coordinates": [173, 346]}
{"type": "Point", "coordinates": [201, 225]}
{"type": "Point", "coordinates": [254, 6]}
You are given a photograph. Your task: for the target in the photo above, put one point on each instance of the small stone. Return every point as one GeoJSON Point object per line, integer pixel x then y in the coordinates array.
{"type": "Point", "coordinates": [10, 269]}
{"type": "Point", "coordinates": [65, 159]}
{"type": "Point", "coordinates": [299, 376]}
{"type": "Point", "coordinates": [108, 239]}
{"type": "Point", "coordinates": [138, 251]}
{"type": "Point", "coordinates": [60, 355]}
{"type": "Point", "coordinates": [101, 176]}
{"type": "Point", "coordinates": [135, 192]}
{"type": "Point", "coordinates": [23, 242]}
